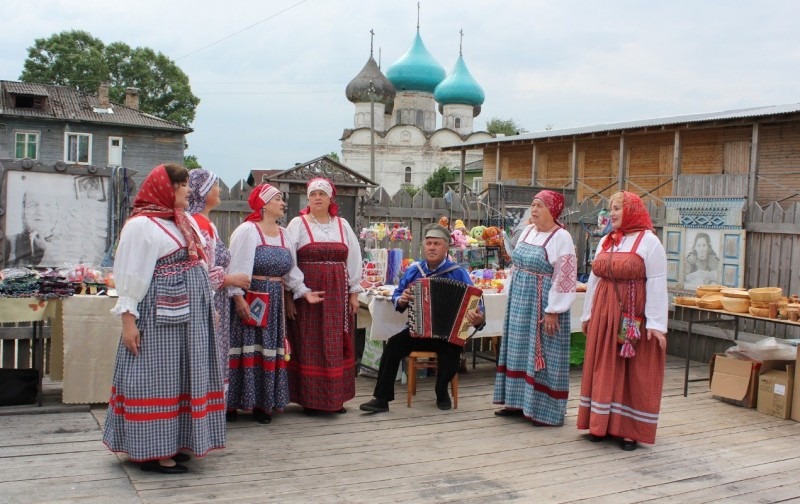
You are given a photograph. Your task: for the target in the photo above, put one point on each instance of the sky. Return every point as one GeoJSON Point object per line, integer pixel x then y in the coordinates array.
{"type": "Point", "coordinates": [271, 75]}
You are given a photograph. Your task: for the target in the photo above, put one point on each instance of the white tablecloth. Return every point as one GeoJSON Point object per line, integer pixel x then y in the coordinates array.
{"type": "Point", "coordinates": [384, 321]}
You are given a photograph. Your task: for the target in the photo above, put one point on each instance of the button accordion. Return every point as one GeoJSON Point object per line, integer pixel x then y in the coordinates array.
{"type": "Point", "coordinates": [439, 309]}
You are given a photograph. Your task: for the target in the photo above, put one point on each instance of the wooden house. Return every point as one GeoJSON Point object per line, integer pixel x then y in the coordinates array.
{"type": "Point", "coordinates": [61, 126]}
{"type": "Point", "coordinates": [748, 152]}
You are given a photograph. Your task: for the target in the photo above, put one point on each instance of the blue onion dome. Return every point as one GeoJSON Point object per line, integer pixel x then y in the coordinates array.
{"type": "Point", "coordinates": [358, 90]}
{"type": "Point", "coordinates": [459, 88]}
{"type": "Point", "coordinates": [416, 70]}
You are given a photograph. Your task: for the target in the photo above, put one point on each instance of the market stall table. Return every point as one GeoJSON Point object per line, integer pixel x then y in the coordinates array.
{"type": "Point", "coordinates": [717, 318]}
{"type": "Point", "coordinates": [36, 311]}
{"type": "Point", "coordinates": [85, 336]}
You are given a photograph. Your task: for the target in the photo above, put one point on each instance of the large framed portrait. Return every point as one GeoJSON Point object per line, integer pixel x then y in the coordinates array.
{"type": "Point", "coordinates": [55, 219]}
{"type": "Point", "coordinates": [702, 264]}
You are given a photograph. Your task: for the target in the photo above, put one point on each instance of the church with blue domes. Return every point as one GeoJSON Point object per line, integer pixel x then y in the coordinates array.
{"type": "Point", "coordinates": [416, 108]}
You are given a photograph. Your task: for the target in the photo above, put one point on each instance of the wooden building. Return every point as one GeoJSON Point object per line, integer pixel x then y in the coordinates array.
{"type": "Point", "coordinates": [748, 152]}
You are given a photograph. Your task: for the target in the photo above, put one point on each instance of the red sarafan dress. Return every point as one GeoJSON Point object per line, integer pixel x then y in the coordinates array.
{"type": "Point", "coordinates": [322, 336]}
{"type": "Point", "coordinates": [620, 396]}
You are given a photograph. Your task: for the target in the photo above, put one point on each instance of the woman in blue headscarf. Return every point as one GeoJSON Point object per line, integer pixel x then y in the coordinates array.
{"type": "Point", "coordinates": [204, 197]}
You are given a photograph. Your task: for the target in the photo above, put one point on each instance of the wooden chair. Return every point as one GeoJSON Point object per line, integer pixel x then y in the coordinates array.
{"type": "Point", "coordinates": [425, 360]}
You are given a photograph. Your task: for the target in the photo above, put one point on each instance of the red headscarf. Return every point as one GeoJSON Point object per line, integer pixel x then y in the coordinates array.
{"type": "Point", "coordinates": [260, 196]}
{"type": "Point", "coordinates": [156, 198]}
{"type": "Point", "coordinates": [554, 201]}
{"type": "Point", "coordinates": [325, 185]}
{"type": "Point", "coordinates": [635, 217]}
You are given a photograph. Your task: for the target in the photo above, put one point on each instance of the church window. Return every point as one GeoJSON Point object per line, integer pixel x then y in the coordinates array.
{"type": "Point", "coordinates": [419, 119]}
{"type": "Point", "coordinates": [458, 122]}
{"type": "Point", "coordinates": [408, 175]}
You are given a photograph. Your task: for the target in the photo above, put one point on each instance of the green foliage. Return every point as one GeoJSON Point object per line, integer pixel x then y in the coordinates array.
{"type": "Point", "coordinates": [190, 162]}
{"type": "Point", "coordinates": [334, 155]}
{"type": "Point", "coordinates": [435, 183]}
{"type": "Point", "coordinates": [77, 59]}
{"type": "Point", "coordinates": [508, 127]}
{"type": "Point", "coordinates": [412, 191]}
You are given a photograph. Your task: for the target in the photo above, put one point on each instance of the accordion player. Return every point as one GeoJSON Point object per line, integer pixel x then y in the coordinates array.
{"type": "Point", "coordinates": [440, 308]}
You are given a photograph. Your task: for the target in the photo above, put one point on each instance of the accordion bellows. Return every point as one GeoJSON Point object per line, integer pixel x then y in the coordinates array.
{"type": "Point", "coordinates": [440, 307]}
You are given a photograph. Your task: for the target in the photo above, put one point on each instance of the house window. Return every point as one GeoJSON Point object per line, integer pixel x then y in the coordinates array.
{"type": "Point", "coordinates": [29, 101]}
{"type": "Point", "coordinates": [408, 175]}
{"type": "Point", "coordinates": [27, 145]}
{"type": "Point", "coordinates": [477, 184]}
{"type": "Point", "coordinates": [458, 122]}
{"type": "Point", "coordinates": [78, 148]}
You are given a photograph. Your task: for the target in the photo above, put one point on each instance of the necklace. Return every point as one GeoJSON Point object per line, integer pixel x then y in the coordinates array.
{"type": "Point", "coordinates": [325, 229]}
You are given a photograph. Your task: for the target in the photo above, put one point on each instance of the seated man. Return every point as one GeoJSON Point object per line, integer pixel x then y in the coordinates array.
{"type": "Point", "coordinates": [436, 264]}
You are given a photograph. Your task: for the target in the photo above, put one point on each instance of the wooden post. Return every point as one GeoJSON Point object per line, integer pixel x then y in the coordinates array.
{"type": "Point", "coordinates": [677, 155]}
{"type": "Point", "coordinates": [621, 164]}
{"type": "Point", "coordinates": [534, 163]}
{"type": "Point", "coordinates": [497, 165]}
{"type": "Point", "coordinates": [461, 179]}
{"type": "Point", "coordinates": [574, 172]}
{"type": "Point", "coordinates": [752, 185]}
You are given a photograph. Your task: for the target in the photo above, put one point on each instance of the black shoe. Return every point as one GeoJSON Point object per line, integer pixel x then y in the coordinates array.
{"type": "Point", "coordinates": [154, 466]}
{"type": "Point", "coordinates": [310, 411]}
{"type": "Point", "coordinates": [375, 406]}
{"type": "Point", "coordinates": [508, 412]}
{"type": "Point", "coordinates": [629, 444]}
{"type": "Point", "coordinates": [595, 438]}
{"type": "Point", "coordinates": [341, 411]}
{"type": "Point", "coordinates": [231, 415]}
{"type": "Point", "coordinates": [444, 404]}
{"type": "Point", "coordinates": [261, 416]}
{"type": "Point", "coordinates": [181, 457]}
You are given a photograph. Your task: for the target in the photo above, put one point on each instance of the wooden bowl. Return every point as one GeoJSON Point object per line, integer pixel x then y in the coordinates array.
{"type": "Point", "coordinates": [759, 304]}
{"type": "Point", "coordinates": [707, 289]}
{"type": "Point", "coordinates": [759, 312]}
{"type": "Point", "coordinates": [765, 294]}
{"type": "Point", "coordinates": [735, 293]}
{"type": "Point", "coordinates": [735, 304]}
{"type": "Point", "coordinates": [710, 301]}
{"type": "Point", "coordinates": [686, 300]}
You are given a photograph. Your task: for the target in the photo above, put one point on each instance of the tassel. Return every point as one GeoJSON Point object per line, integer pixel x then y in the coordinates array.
{"type": "Point", "coordinates": [539, 364]}
{"type": "Point", "coordinates": [632, 334]}
{"type": "Point", "coordinates": [627, 351]}
{"type": "Point", "coordinates": [287, 350]}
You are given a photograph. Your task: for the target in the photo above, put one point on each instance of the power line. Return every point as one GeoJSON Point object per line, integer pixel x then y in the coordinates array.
{"type": "Point", "coordinates": [242, 30]}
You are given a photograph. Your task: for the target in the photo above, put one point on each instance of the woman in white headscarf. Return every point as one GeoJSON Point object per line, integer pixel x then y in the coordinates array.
{"type": "Point", "coordinates": [204, 197]}
{"type": "Point", "coordinates": [322, 369]}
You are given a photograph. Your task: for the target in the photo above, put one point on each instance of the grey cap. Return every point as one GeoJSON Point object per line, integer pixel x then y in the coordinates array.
{"type": "Point", "coordinates": [437, 231]}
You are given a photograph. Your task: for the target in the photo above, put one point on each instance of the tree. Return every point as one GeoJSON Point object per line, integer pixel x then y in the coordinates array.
{"type": "Point", "coordinates": [77, 59]}
{"type": "Point", "coordinates": [435, 183]}
{"type": "Point", "coordinates": [334, 155]}
{"type": "Point", "coordinates": [508, 127]}
{"type": "Point", "coordinates": [191, 162]}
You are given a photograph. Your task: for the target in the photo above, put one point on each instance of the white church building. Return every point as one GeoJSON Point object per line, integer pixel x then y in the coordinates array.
{"type": "Point", "coordinates": [418, 109]}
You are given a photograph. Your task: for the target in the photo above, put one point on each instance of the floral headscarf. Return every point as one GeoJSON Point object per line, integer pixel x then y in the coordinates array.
{"type": "Point", "coordinates": [156, 198]}
{"type": "Point", "coordinates": [260, 196]}
{"type": "Point", "coordinates": [635, 217]}
{"type": "Point", "coordinates": [200, 184]}
{"type": "Point", "coordinates": [554, 201]}
{"type": "Point", "coordinates": [325, 185]}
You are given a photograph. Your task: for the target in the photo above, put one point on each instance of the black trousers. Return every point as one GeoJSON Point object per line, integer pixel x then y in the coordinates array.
{"type": "Point", "coordinates": [399, 346]}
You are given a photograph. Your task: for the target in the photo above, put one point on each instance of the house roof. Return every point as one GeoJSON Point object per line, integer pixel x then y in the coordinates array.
{"type": "Point", "coordinates": [727, 115]}
{"type": "Point", "coordinates": [68, 104]}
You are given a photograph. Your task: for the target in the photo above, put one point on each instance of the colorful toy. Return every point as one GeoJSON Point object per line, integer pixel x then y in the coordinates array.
{"type": "Point", "coordinates": [477, 232]}
{"type": "Point", "coordinates": [459, 240]}
{"type": "Point", "coordinates": [460, 225]}
{"type": "Point", "coordinates": [492, 236]}
{"type": "Point", "coordinates": [444, 221]}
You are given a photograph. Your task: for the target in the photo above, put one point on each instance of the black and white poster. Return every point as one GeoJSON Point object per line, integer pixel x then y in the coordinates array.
{"type": "Point", "coordinates": [55, 219]}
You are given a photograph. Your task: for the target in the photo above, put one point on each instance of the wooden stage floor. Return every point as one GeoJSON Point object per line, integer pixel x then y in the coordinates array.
{"type": "Point", "coordinates": [706, 451]}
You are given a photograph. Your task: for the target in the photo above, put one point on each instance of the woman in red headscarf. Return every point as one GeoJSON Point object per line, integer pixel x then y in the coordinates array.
{"type": "Point", "coordinates": [532, 377]}
{"type": "Point", "coordinates": [261, 250]}
{"type": "Point", "coordinates": [166, 392]}
{"type": "Point", "coordinates": [322, 369]}
{"type": "Point", "coordinates": [625, 322]}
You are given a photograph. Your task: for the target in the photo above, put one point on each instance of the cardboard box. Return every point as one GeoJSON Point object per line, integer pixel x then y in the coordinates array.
{"type": "Point", "coordinates": [775, 392]}
{"type": "Point", "coordinates": [796, 392]}
{"type": "Point", "coordinates": [736, 381]}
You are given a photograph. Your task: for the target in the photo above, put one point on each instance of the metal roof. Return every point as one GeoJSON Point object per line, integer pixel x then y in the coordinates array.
{"type": "Point", "coordinates": [68, 104]}
{"type": "Point", "coordinates": [644, 123]}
